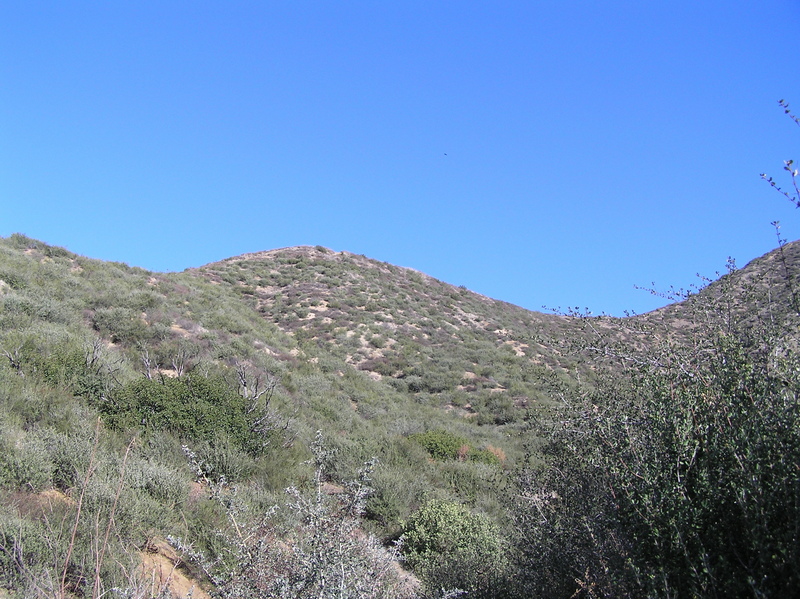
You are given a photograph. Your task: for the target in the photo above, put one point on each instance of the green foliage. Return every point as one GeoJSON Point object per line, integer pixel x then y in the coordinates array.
{"type": "Point", "coordinates": [122, 325]}
{"type": "Point", "coordinates": [323, 555]}
{"type": "Point", "coordinates": [679, 480]}
{"type": "Point", "coordinates": [78, 542]}
{"type": "Point", "coordinates": [449, 547]}
{"type": "Point", "coordinates": [194, 407]}
{"type": "Point", "coordinates": [85, 368]}
{"type": "Point", "coordinates": [222, 460]}
{"type": "Point", "coordinates": [166, 485]}
{"type": "Point", "coordinates": [24, 463]}
{"type": "Point", "coordinates": [23, 549]}
{"type": "Point", "coordinates": [442, 445]}
{"type": "Point", "coordinates": [12, 279]}
{"type": "Point", "coordinates": [484, 456]}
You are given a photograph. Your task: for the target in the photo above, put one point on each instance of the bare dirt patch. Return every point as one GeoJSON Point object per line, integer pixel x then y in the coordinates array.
{"type": "Point", "coordinates": [519, 348]}
{"type": "Point", "coordinates": [162, 569]}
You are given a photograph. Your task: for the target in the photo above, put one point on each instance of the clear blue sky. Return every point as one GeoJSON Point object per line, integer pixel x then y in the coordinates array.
{"type": "Point", "coordinates": [543, 153]}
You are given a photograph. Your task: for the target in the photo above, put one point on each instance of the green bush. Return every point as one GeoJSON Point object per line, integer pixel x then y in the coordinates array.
{"type": "Point", "coordinates": [679, 479]}
{"type": "Point", "coordinates": [70, 455]}
{"type": "Point", "coordinates": [221, 460]}
{"type": "Point", "coordinates": [449, 547]}
{"type": "Point", "coordinates": [24, 548]}
{"type": "Point", "coordinates": [122, 325]}
{"type": "Point", "coordinates": [441, 444]}
{"type": "Point", "coordinates": [164, 484]}
{"type": "Point", "coordinates": [83, 370]}
{"type": "Point", "coordinates": [24, 464]}
{"type": "Point", "coordinates": [194, 407]}
{"type": "Point", "coordinates": [484, 456]}
{"type": "Point", "coordinates": [15, 280]}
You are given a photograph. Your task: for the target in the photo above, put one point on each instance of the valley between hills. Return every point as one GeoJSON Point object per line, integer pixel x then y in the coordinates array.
{"type": "Point", "coordinates": [271, 425]}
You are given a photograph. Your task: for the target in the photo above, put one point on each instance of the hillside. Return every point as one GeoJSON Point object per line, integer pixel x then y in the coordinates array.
{"type": "Point", "coordinates": [400, 326]}
{"type": "Point", "coordinates": [242, 361]}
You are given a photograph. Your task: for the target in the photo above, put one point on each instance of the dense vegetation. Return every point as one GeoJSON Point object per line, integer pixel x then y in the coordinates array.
{"type": "Point", "coordinates": [306, 423]}
{"type": "Point", "coordinates": [679, 479]}
{"type": "Point", "coordinates": [141, 406]}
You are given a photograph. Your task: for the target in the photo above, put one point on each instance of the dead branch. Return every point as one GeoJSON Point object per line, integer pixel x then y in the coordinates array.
{"type": "Point", "coordinates": [15, 359]}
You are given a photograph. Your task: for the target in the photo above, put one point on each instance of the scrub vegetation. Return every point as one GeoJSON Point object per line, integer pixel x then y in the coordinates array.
{"type": "Point", "coordinates": [139, 407]}
{"type": "Point", "coordinates": [310, 423]}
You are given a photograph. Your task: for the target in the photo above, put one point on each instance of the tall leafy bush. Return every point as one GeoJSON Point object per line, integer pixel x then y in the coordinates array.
{"type": "Point", "coordinates": [679, 478]}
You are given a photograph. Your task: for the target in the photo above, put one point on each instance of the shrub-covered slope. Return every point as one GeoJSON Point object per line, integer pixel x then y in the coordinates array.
{"type": "Point", "coordinates": [137, 406]}
{"type": "Point", "coordinates": [404, 329]}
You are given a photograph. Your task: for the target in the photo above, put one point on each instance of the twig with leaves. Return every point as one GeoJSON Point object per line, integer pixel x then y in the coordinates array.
{"type": "Point", "coordinates": [788, 165]}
